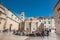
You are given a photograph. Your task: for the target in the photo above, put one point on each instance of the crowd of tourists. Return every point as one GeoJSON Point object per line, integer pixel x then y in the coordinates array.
{"type": "Point", "coordinates": [42, 33]}
{"type": "Point", "coordinates": [45, 32]}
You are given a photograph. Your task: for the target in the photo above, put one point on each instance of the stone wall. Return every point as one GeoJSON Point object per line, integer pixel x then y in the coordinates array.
{"type": "Point", "coordinates": [57, 17]}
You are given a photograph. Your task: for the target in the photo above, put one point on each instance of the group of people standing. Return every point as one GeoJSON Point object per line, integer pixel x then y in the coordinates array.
{"type": "Point", "coordinates": [45, 33]}
{"type": "Point", "coordinates": [42, 34]}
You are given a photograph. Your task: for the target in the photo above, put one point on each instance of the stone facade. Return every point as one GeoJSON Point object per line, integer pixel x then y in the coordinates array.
{"type": "Point", "coordinates": [34, 23]}
{"type": "Point", "coordinates": [31, 24]}
{"type": "Point", "coordinates": [22, 23]}
{"type": "Point", "coordinates": [8, 20]}
{"type": "Point", "coordinates": [57, 17]}
{"type": "Point", "coordinates": [48, 21]}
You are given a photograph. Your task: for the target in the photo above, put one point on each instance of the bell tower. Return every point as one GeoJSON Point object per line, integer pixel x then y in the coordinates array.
{"type": "Point", "coordinates": [22, 16]}
{"type": "Point", "coordinates": [22, 23]}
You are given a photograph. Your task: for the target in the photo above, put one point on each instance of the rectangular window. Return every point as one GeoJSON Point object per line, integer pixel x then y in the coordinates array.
{"type": "Point", "coordinates": [31, 19]}
{"type": "Point", "coordinates": [49, 22]}
{"type": "Point", "coordinates": [33, 28]}
{"type": "Point", "coordinates": [44, 22]}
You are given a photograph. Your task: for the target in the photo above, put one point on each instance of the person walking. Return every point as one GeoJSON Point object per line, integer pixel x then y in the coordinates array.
{"type": "Point", "coordinates": [42, 34]}
{"type": "Point", "coordinates": [47, 32]}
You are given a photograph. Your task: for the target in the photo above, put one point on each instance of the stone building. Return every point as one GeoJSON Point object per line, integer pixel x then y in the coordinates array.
{"type": "Point", "coordinates": [34, 23]}
{"type": "Point", "coordinates": [8, 20]}
{"type": "Point", "coordinates": [57, 16]}
{"type": "Point", "coordinates": [48, 21]}
{"type": "Point", "coordinates": [31, 24]}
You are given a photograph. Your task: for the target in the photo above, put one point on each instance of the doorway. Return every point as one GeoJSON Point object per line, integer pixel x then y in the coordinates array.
{"type": "Point", "coordinates": [10, 27]}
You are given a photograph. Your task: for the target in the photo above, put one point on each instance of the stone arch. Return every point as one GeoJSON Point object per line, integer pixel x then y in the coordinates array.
{"type": "Point", "coordinates": [10, 27]}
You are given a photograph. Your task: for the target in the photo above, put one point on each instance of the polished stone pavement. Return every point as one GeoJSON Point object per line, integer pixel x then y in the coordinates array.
{"type": "Point", "coordinates": [52, 36]}
{"type": "Point", "coordinates": [10, 36]}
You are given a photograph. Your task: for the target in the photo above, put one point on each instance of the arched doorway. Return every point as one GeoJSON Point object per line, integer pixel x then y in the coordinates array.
{"type": "Point", "coordinates": [10, 27]}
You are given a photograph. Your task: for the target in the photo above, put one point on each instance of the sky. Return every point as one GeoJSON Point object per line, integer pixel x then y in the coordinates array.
{"type": "Point", "coordinates": [31, 7]}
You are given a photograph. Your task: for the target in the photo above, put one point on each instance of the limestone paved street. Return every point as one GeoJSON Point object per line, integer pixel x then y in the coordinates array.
{"type": "Point", "coordinates": [9, 36]}
{"type": "Point", "coordinates": [52, 36]}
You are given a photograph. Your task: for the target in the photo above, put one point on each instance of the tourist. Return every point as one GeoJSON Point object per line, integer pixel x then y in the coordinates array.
{"type": "Point", "coordinates": [42, 34]}
{"type": "Point", "coordinates": [47, 32]}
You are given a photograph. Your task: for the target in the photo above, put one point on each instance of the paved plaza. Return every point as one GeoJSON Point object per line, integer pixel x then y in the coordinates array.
{"type": "Point", "coordinates": [9, 36]}
{"type": "Point", "coordinates": [53, 36]}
